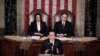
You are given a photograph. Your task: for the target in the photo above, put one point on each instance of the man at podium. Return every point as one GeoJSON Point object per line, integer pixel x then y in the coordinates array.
{"type": "Point", "coordinates": [52, 45]}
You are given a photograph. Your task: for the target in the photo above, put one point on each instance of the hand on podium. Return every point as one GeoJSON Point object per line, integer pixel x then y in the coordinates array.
{"type": "Point", "coordinates": [57, 50]}
{"type": "Point", "coordinates": [60, 35]}
{"type": "Point", "coordinates": [46, 51]}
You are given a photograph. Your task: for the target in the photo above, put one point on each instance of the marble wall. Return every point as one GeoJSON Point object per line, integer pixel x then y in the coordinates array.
{"type": "Point", "coordinates": [98, 19]}
{"type": "Point", "coordinates": [2, 24]}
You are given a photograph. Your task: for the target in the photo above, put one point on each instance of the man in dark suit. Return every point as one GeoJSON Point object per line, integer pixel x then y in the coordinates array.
{"type": "Point", "coordinates": [63, 27]}
{"type": "Point", "coordinates": [52, 45]}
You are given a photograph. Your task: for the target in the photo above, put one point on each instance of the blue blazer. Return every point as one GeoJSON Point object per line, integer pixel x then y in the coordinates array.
{"type": "Point", "coordinates": [68, 29]}
{"type": "Point", "coordinates": [33, 28]}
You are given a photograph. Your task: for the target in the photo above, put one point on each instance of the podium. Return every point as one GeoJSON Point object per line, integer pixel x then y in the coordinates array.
{"type": "Point", "coordinates": [15, 46]}
{"type": "Point", "coordinates": [49, 55]}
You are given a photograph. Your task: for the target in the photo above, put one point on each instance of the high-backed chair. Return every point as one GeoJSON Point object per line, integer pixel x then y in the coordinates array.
{"type": "Point", "coordinates": [43, 13]}
{"type": "Point", "coordinates": [70, 18]}
{"type": "Point", "coordinates": [57, 15]}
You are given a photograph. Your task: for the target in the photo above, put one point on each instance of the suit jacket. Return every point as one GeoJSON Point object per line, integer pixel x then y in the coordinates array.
{"type": "Point", "coordinates": [33, 28]}
{"type": "Point", "coordinates": [47, 45]}
{"type": "Point", "coordinates": [68, 29]}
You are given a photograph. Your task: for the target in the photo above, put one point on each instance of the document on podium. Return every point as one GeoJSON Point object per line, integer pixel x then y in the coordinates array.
{"type": "Point", "coordinates": [49, 55]}
{"type": "Point", "coordinates": [35, 37]}
{"type": "Point", "coordinates": [63, 38]}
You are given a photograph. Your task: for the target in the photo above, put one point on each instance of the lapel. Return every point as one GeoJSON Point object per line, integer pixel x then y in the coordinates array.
{"type": "Point", "coordinates": [61, 27]}
{"type": "Point", "coordinates": [55, 44]}
{"type": "Point", "coordinates": [65, 25]}
{"type": "Point", "coordinates": [40, 26]}
{"type": "Point", "coordinates": [48, 41]}
{"type": "Point", "coordinates": [35, 27]}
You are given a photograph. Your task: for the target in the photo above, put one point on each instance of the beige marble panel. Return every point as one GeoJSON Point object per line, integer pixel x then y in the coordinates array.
{"type": "Point", "coordinates": [20, 17]}
{"type": "Point", "coordinates": [80, 17]}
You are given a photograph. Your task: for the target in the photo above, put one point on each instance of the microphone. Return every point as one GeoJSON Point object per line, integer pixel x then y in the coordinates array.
{"type": "Point", "coordinates": [51, 45]}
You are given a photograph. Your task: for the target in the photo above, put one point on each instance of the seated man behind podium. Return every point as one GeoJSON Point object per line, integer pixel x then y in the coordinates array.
{"type": "Point", "coordinates": [63, 28]}
{"type": "Point", "coordinates": [38, 27]}
{"type": "Point", "coordinates": [52, 45]}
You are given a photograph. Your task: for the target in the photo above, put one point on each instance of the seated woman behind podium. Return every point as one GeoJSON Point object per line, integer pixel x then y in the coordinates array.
{"type": "Point", "coordinates": [52, 45]}
{"type": "Point", "coordinates": [38, 27]}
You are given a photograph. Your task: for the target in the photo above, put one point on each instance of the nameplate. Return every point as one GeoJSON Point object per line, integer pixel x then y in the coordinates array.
{"type": "Point", "coordinates": [49, 55]}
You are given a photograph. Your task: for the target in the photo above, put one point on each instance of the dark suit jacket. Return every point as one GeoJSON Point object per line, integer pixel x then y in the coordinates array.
{"type": "Point", "coordinates": [47, 45]}
{"type": "Point", "coordinates": [33, 28]}
{"type": "Point", "coordinates": [68, 29]}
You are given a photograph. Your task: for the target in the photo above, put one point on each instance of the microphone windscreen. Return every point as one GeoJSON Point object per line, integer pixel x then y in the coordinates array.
{"type": "Point", "coordinates": [51, 44]}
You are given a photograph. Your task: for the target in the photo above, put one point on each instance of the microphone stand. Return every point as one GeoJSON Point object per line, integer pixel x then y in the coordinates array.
{"type": "Point", "coordinates": [51, 52]}
{"type": "Point", "coordinates": [51, 48]}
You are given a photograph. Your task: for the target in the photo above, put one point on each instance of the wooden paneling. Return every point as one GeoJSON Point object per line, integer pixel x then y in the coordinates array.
{"type": "Point", "coordinates": [11, 48]}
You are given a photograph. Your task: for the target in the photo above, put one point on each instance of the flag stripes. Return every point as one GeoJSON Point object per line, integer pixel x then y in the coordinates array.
{"type": "Point", "coordinates": [50, 7]}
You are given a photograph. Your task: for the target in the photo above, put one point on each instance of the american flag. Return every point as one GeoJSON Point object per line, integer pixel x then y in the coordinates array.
{"type": "Point", "coordinates": [50, 7]}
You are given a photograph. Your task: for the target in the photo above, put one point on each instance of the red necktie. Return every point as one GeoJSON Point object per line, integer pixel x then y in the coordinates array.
{"type": "Point", "coordinates": [63, 25]}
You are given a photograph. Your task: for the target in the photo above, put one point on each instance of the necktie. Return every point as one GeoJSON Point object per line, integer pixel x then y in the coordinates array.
{"type": "Point", "coordinates": [63, 25]}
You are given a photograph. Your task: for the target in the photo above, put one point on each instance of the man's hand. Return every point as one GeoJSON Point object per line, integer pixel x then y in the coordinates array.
{"type": "Point", "coordinates": [57, 50]}
{"type": "Point", "coordinates": [46, 51]}
{"type": "Point", "coordinates": [60, 35]}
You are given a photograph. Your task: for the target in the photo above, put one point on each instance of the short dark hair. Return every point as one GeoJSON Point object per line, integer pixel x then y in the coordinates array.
{"type": "Point", "coordinates": [63, 13]}
{"type": "Point", "coordinates": [51, 31]}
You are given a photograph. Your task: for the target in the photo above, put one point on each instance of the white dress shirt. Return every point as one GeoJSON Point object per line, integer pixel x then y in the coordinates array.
{"type": "Point", "coordinates": [38, 26]}
{"type": "Point", "coordinates": [52, 41]}
{"type": "Point", "coordinates": [63, 23]}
